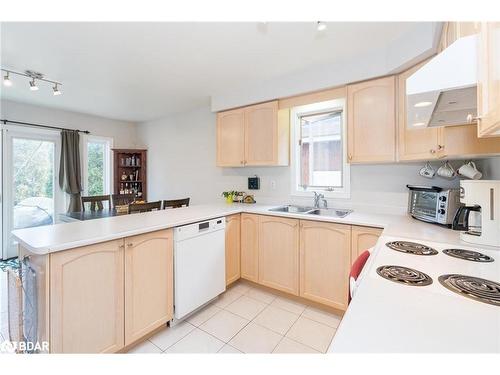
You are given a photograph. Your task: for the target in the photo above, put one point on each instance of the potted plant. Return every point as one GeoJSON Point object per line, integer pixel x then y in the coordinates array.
{"type": "Point", "coordinates": [229, 195]}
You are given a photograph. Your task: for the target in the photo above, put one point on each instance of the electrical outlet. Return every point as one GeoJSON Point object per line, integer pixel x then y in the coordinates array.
{"type": "Point", "coordinates": [273, 184]}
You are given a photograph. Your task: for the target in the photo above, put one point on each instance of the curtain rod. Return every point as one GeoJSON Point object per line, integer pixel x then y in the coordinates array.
{"type": "Point", "coordinates": [5, 121]}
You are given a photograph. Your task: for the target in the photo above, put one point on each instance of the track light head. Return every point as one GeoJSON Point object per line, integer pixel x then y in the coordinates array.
{"type": "Point", "coordinates": [6, 80]}
{"type": "Point", "coordinates": [56, 90]}
{"type": "Point", "coordinates": [33, 86]}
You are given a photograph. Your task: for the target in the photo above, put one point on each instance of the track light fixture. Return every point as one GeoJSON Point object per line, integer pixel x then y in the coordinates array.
{"type": "Point", "coordinates": [33, 86]}
{"type": "Point", "coordinates": [6, 80]}
{"type": "Point", "coordinates": [34, 77]}
{"type": "Point", "coordinates": [56, 90]}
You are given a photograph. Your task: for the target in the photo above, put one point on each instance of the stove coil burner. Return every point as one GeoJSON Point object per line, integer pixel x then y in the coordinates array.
{"type": "Point", "coordinates": [404, 275]}
{"type": "Point", "coordinates": [473, 287]}
{"type": "Point", "coordinates": [473, 256]}
{"type": "Point", "coordinates": [411, 248]}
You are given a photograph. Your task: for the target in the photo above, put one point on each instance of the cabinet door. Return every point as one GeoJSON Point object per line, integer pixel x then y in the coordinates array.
{"type": "Point", "coordinates": [231, 138]}
{"type": "Point", "coordinates": [488, 107]}
{"type": "Point", "coordinates": [414, 144]}
{"type": "Point", "coordinates": [371, 125]}
{"type": "Point", "coordinates": [279, 253]}
{"type": "Point", "coordinates": [363, 238]}
{"type": "Point", "coordinates": [261, 134]}
{"type": "Point", "coordinates": [463, 141]}
{"type": "Point", "coordinates": [250, 247]}
{"type": "Point", "coordinates": [232, 248]}
{"type": "Point", "coordinates": [148, 283]}
{"type": "Point", "coordinates": [86, 299]}
{"type": "Point", "coordinates": [325, 259]}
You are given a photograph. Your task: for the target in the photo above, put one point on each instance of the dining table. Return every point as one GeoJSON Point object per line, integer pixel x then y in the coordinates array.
{"type": "Point", "coordinates": [89, 215]}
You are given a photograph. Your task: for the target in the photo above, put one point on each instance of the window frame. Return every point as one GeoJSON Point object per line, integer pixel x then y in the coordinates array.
{"type": "Point", "coordinates": [296, 113]}
{"type": "Point", "coordinates": [108, 162]}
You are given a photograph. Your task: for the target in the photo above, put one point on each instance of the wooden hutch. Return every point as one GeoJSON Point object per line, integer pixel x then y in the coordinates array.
{"type": "Point", "coordinates": [131, 163]}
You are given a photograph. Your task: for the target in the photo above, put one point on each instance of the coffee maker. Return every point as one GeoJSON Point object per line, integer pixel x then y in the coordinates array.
{"type": "Point", "coordinates": [479, 218]}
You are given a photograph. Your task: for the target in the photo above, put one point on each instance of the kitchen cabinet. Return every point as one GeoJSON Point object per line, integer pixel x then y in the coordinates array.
{"type": "Point", "coordinates": [232, 248]}
{"type": "Point", "coordinates": [437, 142]}
{"type": "Point", "coordinates": [455, 30]}
{"type": "Point", "coordinates": [325, 260]}
{"type": "Point", "coordinates": [279, 253]}
{"type": "Point", "coordinates": [256, 135]}
{"type": "Point", "coordinates": [87, 300]}
{"type": "Point", "coordinates": [231, 138]}
{"type": "Point", "coordinates": [363, 238]}
{"type": "Point", "coordinates": [371, 121]}
{"type": "Point", "coordinates": [148, 283]}
{"type": "Point", "coordinates": [418, 143]}
{"type": "Point", "coordinates": [489, 80]}
{"type": "Point", "coordinates": [250, 247]}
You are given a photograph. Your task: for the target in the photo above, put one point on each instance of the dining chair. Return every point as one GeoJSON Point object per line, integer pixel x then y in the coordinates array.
{"type": "Point", "coordinates": [122, 199]}
{"type": "Point", "coordinates": [96, 202]}
{"type": "Point", "coordinates": [144, 207]}
{"type": "Point", "coordinates": [176, 203]}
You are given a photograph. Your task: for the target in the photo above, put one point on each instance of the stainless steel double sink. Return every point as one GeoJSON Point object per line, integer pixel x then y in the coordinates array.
{"type": "Point", "coordinates": [329, 212]}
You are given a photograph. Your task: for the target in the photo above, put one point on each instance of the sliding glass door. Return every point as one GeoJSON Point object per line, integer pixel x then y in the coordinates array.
{"type": "Point", "coordinates": [31, 195]}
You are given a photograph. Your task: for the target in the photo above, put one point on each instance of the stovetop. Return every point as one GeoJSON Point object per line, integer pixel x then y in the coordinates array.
{"type": "Point", "coordinates": [469, 273]}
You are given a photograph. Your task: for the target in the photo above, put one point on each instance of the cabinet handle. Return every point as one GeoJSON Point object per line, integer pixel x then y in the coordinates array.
{"type": "Point", "coordinates": [440, 147]}
{"type": "Point", "coordinates": [432, 151]}
{"type": "Point", "coordinates": [349, 157]}
{"type": "Point", "coordinates": [130, 244]}
{"type": "Point", "coordinates": [242, 162]}
{"type": "Point", "coordinates": [471, 118]}
{"type": "Point", "coordinates": [121, 247]}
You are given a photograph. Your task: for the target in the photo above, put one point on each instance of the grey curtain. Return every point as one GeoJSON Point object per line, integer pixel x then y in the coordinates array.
{"type": "Point", "coordinates": [70, 179]}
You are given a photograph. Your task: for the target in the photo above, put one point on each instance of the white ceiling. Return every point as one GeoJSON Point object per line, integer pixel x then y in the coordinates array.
{"type": "Point", "coordinates": [143, 71]}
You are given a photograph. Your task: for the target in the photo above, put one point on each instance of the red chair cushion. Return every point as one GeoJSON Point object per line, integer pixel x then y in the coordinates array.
{"type": "Point", "coordinates": [357, 267]}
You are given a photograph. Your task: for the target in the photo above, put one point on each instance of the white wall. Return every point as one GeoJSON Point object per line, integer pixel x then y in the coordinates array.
{"type": "Point", "coordinates": [182, 164]}
{"type": "Point", "coordinates": [123, 133]}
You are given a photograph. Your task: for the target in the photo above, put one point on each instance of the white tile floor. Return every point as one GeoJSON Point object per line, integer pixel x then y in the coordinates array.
{"type": "Point", "coordinates": [246, 319]}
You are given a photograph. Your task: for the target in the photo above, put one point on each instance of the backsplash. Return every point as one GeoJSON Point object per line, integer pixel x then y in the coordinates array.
{"type": "Point", "coordinates": [182, 164]}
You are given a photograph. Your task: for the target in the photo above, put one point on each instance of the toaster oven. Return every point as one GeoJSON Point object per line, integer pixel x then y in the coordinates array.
{"type": "Point", "coordinates": [433, 204]}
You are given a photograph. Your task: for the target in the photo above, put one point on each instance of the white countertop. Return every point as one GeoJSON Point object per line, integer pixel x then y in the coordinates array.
{"type": "Point", "coordinates": [64, 236]}
{"type": "Point", "coordinates": [383, 317]}
{"type": "Point", "coordinates": [388, 317]}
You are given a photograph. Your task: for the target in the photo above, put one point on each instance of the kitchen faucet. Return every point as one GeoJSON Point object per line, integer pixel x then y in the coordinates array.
{"type": "Point", "coordinates": [318, 198]}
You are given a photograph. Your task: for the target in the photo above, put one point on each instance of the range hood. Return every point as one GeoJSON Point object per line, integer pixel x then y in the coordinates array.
{"type": "Point", "coordinates": [444, 91]}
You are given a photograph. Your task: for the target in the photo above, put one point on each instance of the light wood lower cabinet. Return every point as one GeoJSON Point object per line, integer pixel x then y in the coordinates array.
{"type": "Point", "coordinates": [86, 299]}
{"type": "Point", "coordinates": [363, 238]}
{"type": "Point", "coordinates": [148, 283]}
{"type": "Point", "coordinates": [250, 247]}
{"type": "Point", "coordinates": [108, 295]}
{"type": "Point", "coordinates": [279, 253]}
{"type": "Point", "coordinates": [325, 260]}
{"type": "Point", "coordinates": [233, 240]}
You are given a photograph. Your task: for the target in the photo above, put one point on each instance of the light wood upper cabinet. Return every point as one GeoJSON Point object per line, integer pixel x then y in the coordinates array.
{"type": "Point", "coordinates": [257, 135]}
{"type": "Point", "coordinates": [86, 299]}
{"type": "Point", "coordinates": [148, 283]}
{"type": "Point", "coordinates": [489, 80]}
{"type": "Point", "coordinates": [460, 141]}
{"type": "Point", "coordinates": [279, 253]}
{"type": "Point", "coordinates": [363, 238]}
{"type": "Point", "coordinates": [455, 30]}
{"type": "Point", "coordinates": [261, 134]}
{"type": "Point", "coordinates": [325, 261]}
{"type": "Point", "coordinates": [232, 248]}
{"type": "Point", "coordinates": [371, 121]}
{"type": "Point", "coordinates": [250, 247]}
{"type": "Point", "coordinates": [414, 144]}
{"type": "Point", "coordinates": [231, 138]}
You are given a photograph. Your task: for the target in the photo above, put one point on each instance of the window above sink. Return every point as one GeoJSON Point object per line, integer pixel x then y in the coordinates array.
{"type": "Point", "coordinates": [319, 150]}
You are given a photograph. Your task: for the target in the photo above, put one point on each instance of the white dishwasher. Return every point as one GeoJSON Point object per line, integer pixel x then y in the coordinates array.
{"type": "Point", "coordinates": [199, 264]}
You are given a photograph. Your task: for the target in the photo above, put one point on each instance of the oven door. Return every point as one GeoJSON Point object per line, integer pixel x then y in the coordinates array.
{"type": "Point", "coordinates": [423, 205]}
